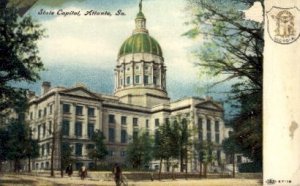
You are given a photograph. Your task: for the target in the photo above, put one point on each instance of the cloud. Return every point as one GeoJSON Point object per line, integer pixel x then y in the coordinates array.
{"type": "Point", "coordinates": [255, 12]}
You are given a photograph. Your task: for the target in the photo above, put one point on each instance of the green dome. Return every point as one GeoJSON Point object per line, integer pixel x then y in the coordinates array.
{"type": "Point", "coordinates": [140, 43]}
{"type": "Point", "coordinates": [140, 15]}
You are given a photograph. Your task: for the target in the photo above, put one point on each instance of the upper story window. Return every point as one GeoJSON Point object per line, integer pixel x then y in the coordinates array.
{"type": "Point", "coordinates": [137, 79]}
{"type": "Point", "coordinates": [39, 132]}
{"type": "Point", "coordinates": [50, 109]}
{"type": "Point", "coordinates": [128, 80]}
{"type": "Point", "coordinates": [45, 111]}
{"type": "Point", "coordinates": [66, 127]}
{"type": "Point", "coordinates": [44, 129]}
{"type": "Point", "coordinates": [208, 136]}
{"type": "Point", "coordinates": [31, 115]}
{"type": "Point", "coordinates": [135, 121]}
{"type": "Point", "coordinates": [66, 108]}
{"type": "Point", "coordinates": [111, 119]}
{"type": "Point", "coordinates": [91, 112]}
{"type": "Point", "coordinates": [208, 125]}
{"type": "Point", "coordinates": [123, 120]}
{"type": "Point", "coordinates": [147, 123]}
{"type": "Point", "coordinates": [166, 120]}
{"type": "Point", "coordinates": [111, 135]}
{"type": "Point", "coordinates": [78, 149]}
{"type": "Point", "coordinates": [78, 128]}
{"type": "Point", "coordinates": [146, 80]}
{"type": "Point", "coordinates": [40, 113]}
{"type": "Point", "coordinates": [217, 137]}
{"type": "Point", "coordinates": [135, 134]}
{"type": "Point", "coordinates": [123, 136]}
{"type": "Point", "coordinates": [91, 128]}
{"type": "Point", "coordinates": [79, 110]}
{"type": "Point", "coordinates": [200, 121]}
{"type": "Point", "coordinates": [154, 80]}
{"type": "Point", "coordinates": [156, 122]}
{"type": "Point", "coordinates": [217, 126]}
{"type": "Point", "coordinates": [50, 127]}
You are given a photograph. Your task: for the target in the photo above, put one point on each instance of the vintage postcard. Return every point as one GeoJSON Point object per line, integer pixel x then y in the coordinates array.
{"type": "Point", "coordinates": [149, 92]}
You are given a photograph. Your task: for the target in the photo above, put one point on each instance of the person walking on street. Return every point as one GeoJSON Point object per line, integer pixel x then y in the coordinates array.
{"type": "Point", "coordinates": [118, 174]}
{"type": "Point", "coordinates": [69, 170]}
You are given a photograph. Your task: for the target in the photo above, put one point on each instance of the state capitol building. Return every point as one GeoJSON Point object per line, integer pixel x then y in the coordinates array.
{"type": "Point", "coordinates": [140, 102]}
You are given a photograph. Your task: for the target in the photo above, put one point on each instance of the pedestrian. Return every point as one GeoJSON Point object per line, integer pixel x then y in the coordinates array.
{"type": "Point", "coordinates": [118, 174]}
{"type": "Point", "coordinates": [83, 172]}
{"type": "Point", "coordinates": [69, 170]}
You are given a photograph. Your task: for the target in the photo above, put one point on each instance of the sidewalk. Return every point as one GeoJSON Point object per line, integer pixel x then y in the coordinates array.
{"type": "Point", "coordinates": [24, 180]}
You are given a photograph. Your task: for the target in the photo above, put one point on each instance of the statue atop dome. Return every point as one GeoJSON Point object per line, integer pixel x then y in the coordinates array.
{"type": "Point", "coordinates": [141, 5]}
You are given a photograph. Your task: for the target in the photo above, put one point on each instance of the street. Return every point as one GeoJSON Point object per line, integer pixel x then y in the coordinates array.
{"type": "Point", "coordinates": [24, 180]}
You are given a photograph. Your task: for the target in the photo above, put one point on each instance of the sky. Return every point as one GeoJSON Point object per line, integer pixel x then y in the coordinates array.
{"type": "Point", "coordinates": [84, 49]}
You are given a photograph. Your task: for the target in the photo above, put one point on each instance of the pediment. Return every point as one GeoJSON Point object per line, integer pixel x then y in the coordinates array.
{"type": "Point", "coordinates": [80, 92]}
{"type": "Point", "coordinates": [210, 105]}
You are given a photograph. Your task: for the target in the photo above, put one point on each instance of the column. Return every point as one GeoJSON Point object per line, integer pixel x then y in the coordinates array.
{"type": "Point", "coordinates": [204, 127]}
{"type": "Point", "coordinates": [118, 128]}
{"type": "Point", "coordinates": [124, 72]}
{"type": "Point", "coordinates": [213, 132]}
{"type": "Point", "coordinates": [132, 73]}
{"type": "Point", "coordinates": [85, 121]}
{"type": "Point", "coordinates": [143, 73]}
{"type": "Point", "coordinates": [73, 119]}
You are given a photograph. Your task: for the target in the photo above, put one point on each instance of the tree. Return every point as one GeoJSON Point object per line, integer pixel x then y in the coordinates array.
{"type": "Point", "coordinates": [205, 150]}
{"type": "Point", "coordinates": [233, 51]}
{"type": "Point", "coordinates": [4, 148]}
{"type": "Point", "coordinates": [19, 60]}
{"type": "Point", "coordinates": [31, 150]}
{"type": "Point", "coordinates": [230, 148]}
{"type": "Point", "coordinates": [20, 145]}
{"type": "Point", "coordinates": [66, 156]}
{"type": "Point", "coordinates": [166, 145]}
{"type": "Point", "coordinates": [139, 151]}
{"type": "Point", "coordinates": [99, 151]}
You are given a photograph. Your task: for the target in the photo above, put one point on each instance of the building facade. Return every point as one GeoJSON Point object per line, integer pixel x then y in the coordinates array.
{"type": "Point", "coordinates": [140, 103]}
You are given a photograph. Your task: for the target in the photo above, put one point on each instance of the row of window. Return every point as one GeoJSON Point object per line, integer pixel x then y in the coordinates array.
{"type": "Point", "coordinates": [42, 130]}
{"type": "Point", "coordinates": [78, 110]}
{"type": "Point", "coordinates": [43, 112]}
{"type": "Point", "coordinates": [138, 67]}
{"type": "Point", "coordinates": [208, 124]}
{"type": "Point", "coordinates": [78, 129]}
{"type": "Point", "coordinates": [45, 149]}
{"type": "Point", "coordinates": [209, 137]}
{"type": "Point", "coordinates": [112, 120]}
{"type": "Point", "coordinates": [138, 81]}
{"type": "Point", "coordinates": [79, 149]}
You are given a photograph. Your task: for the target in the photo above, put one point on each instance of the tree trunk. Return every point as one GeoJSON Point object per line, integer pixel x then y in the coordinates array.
{"type": "Point", "coordinates": [168, 167]}
{"type": "Point", "coordinates": [205, 170]}
{"type": "Point", "coordinates": [173, 176]}
{"type": "Point", "coordinates": [233, 165]}
{"type": "Point", "coordinates": [186, 163]}
{"type": "Point", "coordinates": [29, 164]}
{"type": "Point", "coordinates": [52, 157]}
{"type": "Point", "coordinates": [16, 166]}
{"type": "Point", "coordinates": [200, 172]}
{"type": "Point", "coordinates": [181, 161]}
{"type": "Point", "coordinates": [95, 166]}
{"type": "Point", "coordinates": [160, 164]}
